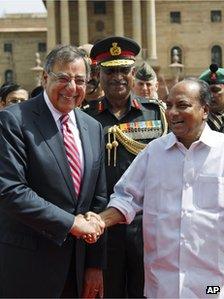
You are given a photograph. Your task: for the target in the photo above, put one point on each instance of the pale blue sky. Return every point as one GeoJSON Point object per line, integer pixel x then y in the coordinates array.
{"type": "Point", "coordinates": [21, 6]}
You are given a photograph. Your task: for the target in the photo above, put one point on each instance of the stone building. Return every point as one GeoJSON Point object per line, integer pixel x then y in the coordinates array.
{"type": "Point", "coordinates": [21, 36]}
{"type": "Point", "coordinates": [193, 28]}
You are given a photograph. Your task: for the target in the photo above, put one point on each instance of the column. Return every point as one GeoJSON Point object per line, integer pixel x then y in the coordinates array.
{"type": "Point", "coordinates": [137, 21]}
{"type": "Point", "coordinates": [51, 25]}
{"type": "Point", "coordinates": [83, 24]}
{"type": "Point", "coordinates": [65, 24]}
{"type": "Point", "coordinates": [151, 31]}
{"type": "Point", "coordinates": [118, 18]}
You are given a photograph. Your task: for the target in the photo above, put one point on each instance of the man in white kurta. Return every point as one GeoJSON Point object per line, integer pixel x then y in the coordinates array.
{"type": "Point", "coordinates": [178, 181]}
{"type": "Point", "coordinates": [181, 193]}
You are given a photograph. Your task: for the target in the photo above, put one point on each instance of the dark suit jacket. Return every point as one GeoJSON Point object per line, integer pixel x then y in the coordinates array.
{"type": "Point", "coordinates": [38, 201]}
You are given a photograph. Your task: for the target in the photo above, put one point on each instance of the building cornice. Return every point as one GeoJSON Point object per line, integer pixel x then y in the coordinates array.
{"type": "Point", "coordinates": [31, 29]}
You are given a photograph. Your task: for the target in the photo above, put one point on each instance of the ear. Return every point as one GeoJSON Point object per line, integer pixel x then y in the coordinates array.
{"type": "Point", "coordinates": [206, 111]}
{"type": "Point", "coordinates": [44, 78]}
{"type": "Point", "coordinates": [133, 72]}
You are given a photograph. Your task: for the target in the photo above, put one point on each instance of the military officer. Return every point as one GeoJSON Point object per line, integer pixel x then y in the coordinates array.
{"type": "Point", "coordinates": [214, 76]}
{"type": "Point", "coordinates": [93, 88]}
{"type": "Point", "coordinates": [128, 127]}
{"type": "Point", "coordinates": [145, 83]}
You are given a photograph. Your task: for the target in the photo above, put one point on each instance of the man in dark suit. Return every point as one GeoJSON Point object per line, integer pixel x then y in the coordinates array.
{"type": "Point", "coordinates": [41, 207]}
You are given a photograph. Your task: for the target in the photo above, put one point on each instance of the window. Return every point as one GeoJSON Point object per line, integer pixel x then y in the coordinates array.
{"type": "Point", "coordinates": [41, 47]}
{"type": "Point", "coordinates": [216, 55]}
{"type": "Point", "coordinates": [175, 17]}
{"type": "Point", "coordinates": [216, 16]}
{"type": "Point", "coordinates": [8, 76]}
{"type": "Point", "coordinates": [99, 7]}
{"type": "Point", "coordinates": [8, 47]}
{"type": "Point", "coordinates": [176, 55]}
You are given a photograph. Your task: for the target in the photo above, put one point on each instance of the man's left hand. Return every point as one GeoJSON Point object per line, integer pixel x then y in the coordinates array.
{"type": "Point", "coordinates": [93, 283]}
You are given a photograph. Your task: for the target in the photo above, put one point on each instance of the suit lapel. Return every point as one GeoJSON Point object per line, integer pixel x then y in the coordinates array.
{"type": "Point", "coordinates": [87, 153]}
{"type": "Point", "coordinates": [45, 123]}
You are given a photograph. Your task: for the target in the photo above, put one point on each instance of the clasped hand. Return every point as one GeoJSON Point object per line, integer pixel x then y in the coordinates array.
{"type": "Point", "coordinates": [89, 227]}
{"type": "Point", "coordinates": [95, 219]}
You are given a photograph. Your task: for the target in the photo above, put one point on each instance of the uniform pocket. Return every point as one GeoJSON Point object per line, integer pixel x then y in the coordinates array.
{"type": "Point", "coordinates": [210, 192]}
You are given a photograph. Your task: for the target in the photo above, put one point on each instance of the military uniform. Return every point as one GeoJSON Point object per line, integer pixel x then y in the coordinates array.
{"type": "Point", "coordinates": [145, 72]}
{"type": "Point", "coordinates": [125, 135]}
{"type": "Point", "coordinates": [216, 121]}
{"type": "Point", "coordinates": [91, 105]}
{"type": "Point", "coordinates": [145, 83]}
{"type": "Point", "coordinates": [134, 123]}
{"type": "Point", "coordinates": [214, 76]}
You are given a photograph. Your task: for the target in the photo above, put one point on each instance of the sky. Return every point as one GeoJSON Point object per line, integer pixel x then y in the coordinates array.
{"type": "Point", "coordinates": [21, 6]}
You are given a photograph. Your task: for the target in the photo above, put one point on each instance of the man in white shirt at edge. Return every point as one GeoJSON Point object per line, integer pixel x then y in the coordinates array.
{"type": "Point", "coordinates": [178, 181]}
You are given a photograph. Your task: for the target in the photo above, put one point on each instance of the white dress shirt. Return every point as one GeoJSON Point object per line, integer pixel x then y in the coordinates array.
{"type": "Point", "coordinates": [72, 125]}
{"type": "Point", "coordinates": [181, 192]}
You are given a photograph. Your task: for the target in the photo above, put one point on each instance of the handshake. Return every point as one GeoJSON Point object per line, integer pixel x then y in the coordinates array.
{"type": "Point", "coordinates": [89, 227]}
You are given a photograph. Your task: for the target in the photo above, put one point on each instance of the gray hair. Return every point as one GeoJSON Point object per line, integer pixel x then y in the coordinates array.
{"type": "Point", "coordinates": [65, 54]}
{"type": "Point", "coordinates": [205, 96]}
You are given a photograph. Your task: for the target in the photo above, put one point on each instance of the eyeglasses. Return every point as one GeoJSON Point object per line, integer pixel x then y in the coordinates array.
{"type": "Point", "coordinates": [66, 79]}
{"type": "Point", "coordinates": [111, 70]}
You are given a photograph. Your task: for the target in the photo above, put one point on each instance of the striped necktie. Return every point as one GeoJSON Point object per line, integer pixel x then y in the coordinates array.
{"type": "Point", "coordinates": [72, 153]}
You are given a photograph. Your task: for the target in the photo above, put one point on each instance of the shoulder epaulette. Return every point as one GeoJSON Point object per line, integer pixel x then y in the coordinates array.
{"type": "Point", "coordinates": [85, 107]}
{"type": "Point", "coordinates": [100, 106]}
{"type": "Point", "coordinates": [136, 103]}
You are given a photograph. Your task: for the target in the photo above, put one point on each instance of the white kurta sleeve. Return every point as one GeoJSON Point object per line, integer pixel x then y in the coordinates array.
{"type": "Point", "coordinates": [129, 190]}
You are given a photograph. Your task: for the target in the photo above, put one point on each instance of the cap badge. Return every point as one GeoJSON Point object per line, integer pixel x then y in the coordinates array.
{"type": "Point", "coordinates": [213, 76]}
{"type": "Point", "coordinates": [115, 50]}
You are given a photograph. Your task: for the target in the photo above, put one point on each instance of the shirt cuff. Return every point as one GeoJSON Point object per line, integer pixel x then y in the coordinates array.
{"type": "Point", "coordinates": [125, 208]}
